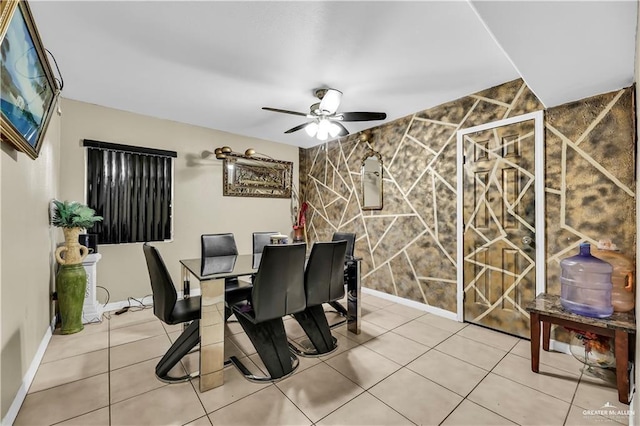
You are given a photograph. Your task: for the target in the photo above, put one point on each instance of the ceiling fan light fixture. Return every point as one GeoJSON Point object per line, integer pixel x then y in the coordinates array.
{"type": "Point", "coordinates": [330, 101]}
{"type": "Point", "coordinates": [334, 129]}
{"type": "Point", "coordinates": [311, 129]}
{"type": "Point", "coordinates": [324, 126]}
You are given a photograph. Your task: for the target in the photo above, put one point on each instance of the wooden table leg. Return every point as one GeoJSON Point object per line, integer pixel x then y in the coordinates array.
{"type": "Point", "coordinates": [535, 342]}
{"type": "Point", "coordinates": [546, 335]}
{"type": "Point", "coordinates": [622, 364]}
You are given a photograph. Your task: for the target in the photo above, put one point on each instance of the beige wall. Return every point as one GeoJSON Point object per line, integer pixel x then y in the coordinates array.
{"type": "Point", "coordinates": [199, 206]}
{"type": "Point", "coordinates": [26, 186]}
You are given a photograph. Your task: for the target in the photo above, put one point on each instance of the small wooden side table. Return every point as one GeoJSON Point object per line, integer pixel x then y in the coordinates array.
{"type": "Point", "coordinates": [546, 308]}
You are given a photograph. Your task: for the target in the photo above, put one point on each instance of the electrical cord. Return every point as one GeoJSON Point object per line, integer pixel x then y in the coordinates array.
{"type": "Point", "coordinates": [60, 80]}
{"type": "Point", "coordinates": [97, 320]}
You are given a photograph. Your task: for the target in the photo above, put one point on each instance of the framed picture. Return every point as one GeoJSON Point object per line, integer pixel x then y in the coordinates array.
{"type": "Point", "coordinates": [256, 177]}
{"type": "Point", "coordinates": [28, 90]}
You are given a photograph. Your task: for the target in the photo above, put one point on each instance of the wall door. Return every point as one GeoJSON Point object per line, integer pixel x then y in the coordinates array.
{"type": "Point", "coordinates": [499, 226]}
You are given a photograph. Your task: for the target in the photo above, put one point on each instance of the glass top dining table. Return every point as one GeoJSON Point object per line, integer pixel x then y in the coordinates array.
{"type": "Point", "coordinates": [211, 273]}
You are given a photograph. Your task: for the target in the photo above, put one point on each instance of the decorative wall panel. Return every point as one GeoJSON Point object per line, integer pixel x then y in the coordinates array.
{"type": "Point", "coordinates": [409, 247]}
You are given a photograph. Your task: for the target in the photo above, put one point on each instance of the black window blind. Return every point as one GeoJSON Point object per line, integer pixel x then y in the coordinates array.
{"type": "Point", "coordinates": [131, 188]}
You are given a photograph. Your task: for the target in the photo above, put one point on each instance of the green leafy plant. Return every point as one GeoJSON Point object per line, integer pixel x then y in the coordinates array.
{"type": "Point", "coordinates": [73, 215]}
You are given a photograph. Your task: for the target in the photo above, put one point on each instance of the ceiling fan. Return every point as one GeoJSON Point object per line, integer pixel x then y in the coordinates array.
{"type": "Point", "coordinates": [326, 121]}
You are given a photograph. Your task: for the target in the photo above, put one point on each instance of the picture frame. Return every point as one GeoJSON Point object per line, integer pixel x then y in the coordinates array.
{"type": "Point", "coordinates": [256, 177]}
{"type": "Point", "coordinates": [28, 88]}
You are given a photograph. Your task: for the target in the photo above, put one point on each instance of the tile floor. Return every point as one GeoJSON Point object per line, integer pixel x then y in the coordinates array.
{"type": "Point", "coordinates": [406, 367]}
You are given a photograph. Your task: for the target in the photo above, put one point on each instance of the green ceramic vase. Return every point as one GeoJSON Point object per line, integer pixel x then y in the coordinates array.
{"type": "Point", "coordinates": [71, 285]}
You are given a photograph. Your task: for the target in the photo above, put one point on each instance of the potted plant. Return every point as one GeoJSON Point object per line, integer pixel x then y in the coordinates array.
{"type": "Point", "coordinates": [71, 279]}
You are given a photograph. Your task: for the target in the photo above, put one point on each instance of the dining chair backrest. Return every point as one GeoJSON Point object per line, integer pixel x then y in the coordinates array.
{"type": "Point", "coordinates": [164, 292]}
{"type": "Point", "coordinates": [278, 286]}
{"type": "Point", "coordinates": [349, 237]}
{"type": "Point", "coordinates": [324, 274]}
{"type": "Point", "coordinates": [218, 245]}
{"type": "Point", "coordinates": [261, 239]}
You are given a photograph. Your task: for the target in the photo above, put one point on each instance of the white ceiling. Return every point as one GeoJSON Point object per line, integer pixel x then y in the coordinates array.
{"type": "Point", "coordinates": [215, 64]}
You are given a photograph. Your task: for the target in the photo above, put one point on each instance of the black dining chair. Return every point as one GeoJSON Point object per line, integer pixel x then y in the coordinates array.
{"type": "Point", "coordinates": [215, 245]}
{"type": "Point", "coordinates": [261, 239]}
{"type": "Point", "coordinates": [278, 290]}
{"type": "Point", "coordinates": [171, 310]}
{"type": "Point", "coordinates": [350, 238]}
{"type": "Point", "coordinates": [323, 283]}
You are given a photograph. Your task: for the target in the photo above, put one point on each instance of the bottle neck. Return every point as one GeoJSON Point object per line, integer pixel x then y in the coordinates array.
{"type": "Point", "coordinates": [585, 249]}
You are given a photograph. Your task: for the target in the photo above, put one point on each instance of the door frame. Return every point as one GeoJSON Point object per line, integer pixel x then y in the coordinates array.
{"type": "Point", "coordinates": [538, 117]}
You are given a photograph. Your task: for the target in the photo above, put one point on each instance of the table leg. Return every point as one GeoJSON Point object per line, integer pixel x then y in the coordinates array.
{"type": "Point", "coordinates": [186, 284]}
{"type": "Point", "coordinates": [535, 342]}
{"type": "Point", "coordinates": [354, 301]}
{"type": "Point", "coordinates": [622, 365]}
{"type": "Point", "coordinates": [546, 335]}
{"type": "Point", "coordinates": [212, 334]}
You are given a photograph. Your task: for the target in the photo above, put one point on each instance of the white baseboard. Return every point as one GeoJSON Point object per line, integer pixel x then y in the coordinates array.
{"type": "Point", "coordinates": [12, 413]}
{"type": "Point", "coordinates": [412, 304]}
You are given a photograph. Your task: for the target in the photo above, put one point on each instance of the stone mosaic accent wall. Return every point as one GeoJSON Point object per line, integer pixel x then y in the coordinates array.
{"type": "Point", "coordinates": [409, 247]}
{"type": "Point", "coordinates": [590, 177]}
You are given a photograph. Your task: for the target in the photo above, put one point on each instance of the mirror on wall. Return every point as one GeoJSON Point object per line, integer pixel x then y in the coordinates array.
{"type": "Point", "coordinates": [371, 175]}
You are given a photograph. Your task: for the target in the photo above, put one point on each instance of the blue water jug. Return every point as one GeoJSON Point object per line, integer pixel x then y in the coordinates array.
{"type": "Point", "coordinates": [586, 284]}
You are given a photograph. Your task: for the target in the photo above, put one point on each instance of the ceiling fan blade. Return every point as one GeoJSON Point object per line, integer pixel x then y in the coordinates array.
{"type": "Point", "coordinates": [330, 101]}
{"type": "Point", "coordinates": [295, 129]}
{"type": "Point", "coordinates": [362, 116]}
{"type": "Point", "coordinates": [285, 111]}
{"type": "Point", "coordinates": [343, 130]}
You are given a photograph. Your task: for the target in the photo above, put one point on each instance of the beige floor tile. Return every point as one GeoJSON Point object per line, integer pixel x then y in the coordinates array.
{"type": "Point", "coordinates": [422, 333]}
{"type": "Point", "coordinates": [137, 379]}
{"type": "Point", "coordinates": [363, 366]}
{"type": "Point", "coordinates": [490, 337]}
{"type": "Point", "coordinates": [476, 353]}
{"type": "Point", "coordinates": [232, 327]}
{"type": "Point", "coordinates": [367, 332]}
{"type": "Point", "coordinates": [468, 413]}
{"type": "Point", "coordinates": [418, 399]}
{"type": "Point", "coordinates": [230, 349]}
{"type": "Point", "coordinates": [364, 410]}
{"type": "Point", "coordinates": [442, 323]}
{"type": "Point", "coordinates": [344, 344]}
{"type": "Point", "coordinates": [566, 362]}
{"type": "Point", "coordinates": [64, 402]}
{"type": "Point", "coordinates": [366, 308]}
{"type": "Point", "coordinates": [519, 403]}
{"type": "Point", "coordinates": [64, 346]}
{"type": "Point", "coordinates": [131, 317]}
{"type": "Point", "coordinates": [557, 383]}
{"type": "Point", "coordinates": [172, 328]}
{"type": "Point", "coordinates": [319, 390]}
{"type": "Point", "coordinates": [138, 351]}
{"type": "Point", "coordinates": [265, 407]}
{"type": "Point", "coordinates": [202, 421]}
{"type": "Point", "coordinates": [235, 387]}
{"type": "Point", "coordinates": [405, 311]}
{"type": "Point", "coordinates": [452, 373]}
{"type": "Point", "coordinates": [397, 348]}
{"type": "Point", "coordinates": [304, 363]}
{"type": "Point", "coordinates": [242, 342]}
{"type": "Point", "coordinates": [95, 418]}
{"type": "Point", "coordinates": [376, 301]}
{"type": "Point", "coordinates": [96, 327]}
{"type": "Point", "coordinates": [176, 404]}
{"type": "Point", "coordinates": [578, 416]}
{"type": "Point", "coordinates": [293, 329]}
{"type": "Point", "coordinates": [132, 333]}
{"type": "Point", "coordinates": [70, 369]}
{"type": "Point", "coordinates": [596, 394]}
{"type": "Point", "coordinates": [385, 319]}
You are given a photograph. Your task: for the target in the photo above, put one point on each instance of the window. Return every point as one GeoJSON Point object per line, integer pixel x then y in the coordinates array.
{"type": "Point", "coordinates": [132, 188]}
